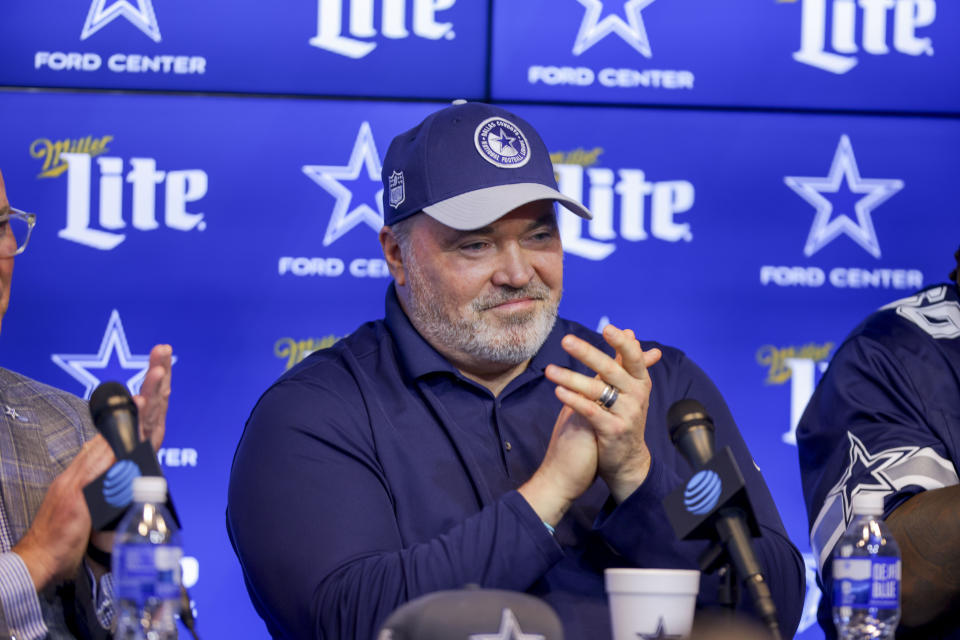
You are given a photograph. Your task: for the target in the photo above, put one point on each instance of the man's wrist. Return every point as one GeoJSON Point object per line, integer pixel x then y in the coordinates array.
{"type": "Point", "coordinates": [548, 503]}
{"type": "Point", "coordinates": [37, 565]}
{"type": "Point", "coordinates": [623, 484]}
{"type": "Point", "coordinates": [20, 599]}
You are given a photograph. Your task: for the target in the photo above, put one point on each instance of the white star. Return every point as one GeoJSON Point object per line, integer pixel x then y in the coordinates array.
{"type": "Point", "coordinates": [593, 30]}
{"type": "Point", "coordinates": [875, 464]}
{"type": "Point", "coordinates": [503, 143]}
{"type": "Point", "coordinates": [825, 230]}
{"type": "Point", "coordinates": [142, 17]}
{"type": "Point", "coordinates": [114, 340]}
{"type": "Point", "coordinates": [509, 630]}
{"type": "Point", "coordinates": [327, 176]}
{"type": "Point", "coordinates": [883, 472]}
{"type": "Point", "coordinates": [659, 634]}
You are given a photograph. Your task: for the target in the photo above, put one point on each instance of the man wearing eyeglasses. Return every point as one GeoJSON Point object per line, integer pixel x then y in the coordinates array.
{"type": "Point", "coordinates": [54, 580]}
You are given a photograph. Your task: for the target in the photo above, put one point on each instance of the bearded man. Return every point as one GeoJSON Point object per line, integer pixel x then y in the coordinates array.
{"type": "Point", "coordinates": [472, 436]}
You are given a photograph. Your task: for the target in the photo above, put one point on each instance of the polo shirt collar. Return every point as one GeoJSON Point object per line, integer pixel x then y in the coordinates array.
{"type": "Point", "coordinates": [551, 352]}
{"type": "Point", "coordinates": [419, 358]}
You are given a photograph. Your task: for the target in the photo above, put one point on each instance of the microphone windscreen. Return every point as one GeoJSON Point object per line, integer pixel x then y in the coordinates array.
{"type": "Point", "coordinates": [115, 417]}
{"type": "Point", "coordinates": [684, 413]}
{"type": "Point", "coordinates": [470, 613]}
{"type": "Point", "coordinates": [107, 397]}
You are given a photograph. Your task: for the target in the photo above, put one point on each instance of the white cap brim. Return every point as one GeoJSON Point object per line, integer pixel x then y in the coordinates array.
{"type": "Point", "coordinates": [479, 208]}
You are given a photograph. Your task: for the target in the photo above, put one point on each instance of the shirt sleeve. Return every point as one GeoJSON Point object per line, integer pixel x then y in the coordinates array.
{"type": "Point", "coordinates": [102, 591]}
{"type": "Point", "coordinates": [18, 596]}
{"type": "Point", "coordinates": [640, 531]}
{"type": "Point", "coordinates": [319, 543]}
{"type": "Point", "coordinates": [868, 428]}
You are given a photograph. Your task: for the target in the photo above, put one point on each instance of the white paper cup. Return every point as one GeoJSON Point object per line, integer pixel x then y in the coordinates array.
{"type": "Point", "coordinates": [648, 602]}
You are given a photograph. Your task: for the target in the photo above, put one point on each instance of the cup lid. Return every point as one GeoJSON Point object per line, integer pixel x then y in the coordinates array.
{"type": "Point", "coordinates": [653, 581]}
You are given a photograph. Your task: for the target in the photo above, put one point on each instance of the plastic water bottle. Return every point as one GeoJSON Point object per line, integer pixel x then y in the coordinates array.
{"type": "Point", "coordinates": [866, 574]}
{"type": "Point", "coordinates": [146, 565]}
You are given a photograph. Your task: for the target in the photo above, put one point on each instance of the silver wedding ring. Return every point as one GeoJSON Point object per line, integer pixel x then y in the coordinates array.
{"type": "Point", "coordinates": [608, 397]}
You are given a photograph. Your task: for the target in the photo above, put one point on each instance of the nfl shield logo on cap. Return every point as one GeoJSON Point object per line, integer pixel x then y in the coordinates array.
{"type": "Point", "coordinates": [396, 189]}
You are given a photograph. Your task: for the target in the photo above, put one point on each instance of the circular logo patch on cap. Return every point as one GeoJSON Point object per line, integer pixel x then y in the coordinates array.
{"type": "Point", "coordinates": [501, 143]}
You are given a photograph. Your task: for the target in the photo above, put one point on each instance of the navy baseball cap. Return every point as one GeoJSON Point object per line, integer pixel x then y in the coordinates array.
{"type": "Point", "coordinates": [468, 165]}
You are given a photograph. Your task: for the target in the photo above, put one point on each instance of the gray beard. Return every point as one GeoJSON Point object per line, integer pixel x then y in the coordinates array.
{"type": "Point", "coordinates": [510, 341]}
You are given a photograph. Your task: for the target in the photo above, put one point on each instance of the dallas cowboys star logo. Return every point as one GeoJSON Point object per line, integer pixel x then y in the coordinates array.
{"type": "Point", "coordinates": [659, 634]}
{"type": "Point", "coordinates": [864, 465]}
{"type": "Point", "coordinates": [502, 143]}
{"type": "Point", "coordinates": [843, 171]}
{"type": "Point", "coordinates": [142, 17]}
{"type": "Point", "coordinates": [328, 176]}
{"type": "Point", "coordinates": [113, 361]}
{"type": "Point", "coordinates": [509, 630]}
{"type": "Point", "coordinates": [13, 413]}
{"type": "Point", "coordinates": [593, 29]}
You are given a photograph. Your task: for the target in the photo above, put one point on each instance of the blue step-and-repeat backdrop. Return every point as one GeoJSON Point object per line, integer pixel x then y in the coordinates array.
{"type": "Point", "coordinates": [763, 174]}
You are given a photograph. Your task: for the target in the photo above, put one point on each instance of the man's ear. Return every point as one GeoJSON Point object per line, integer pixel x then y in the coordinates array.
{"type": "Point", "coordinates": [393, 255]}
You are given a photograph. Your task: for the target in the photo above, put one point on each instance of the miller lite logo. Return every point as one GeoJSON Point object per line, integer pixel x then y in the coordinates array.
{"type": "Point", "coordinates": [626, 204]}
{"type": "Point", "coordinates": [397, 196]}
{"type": "Point", "coordinates": [841, 25]}
{"type": "Point", "coordinates": [393, 24]}
{"type": "Point", "coordinates": [106, 228]}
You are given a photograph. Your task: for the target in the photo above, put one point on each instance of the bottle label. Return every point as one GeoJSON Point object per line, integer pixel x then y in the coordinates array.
{"type": "Point", "coordinates": [148, 571]}
{"type": "Point", "coordinates": [866, 582]}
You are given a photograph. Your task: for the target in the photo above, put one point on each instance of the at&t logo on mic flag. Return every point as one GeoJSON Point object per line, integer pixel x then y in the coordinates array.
{"type": "Point", "coordinates": [702, 492]}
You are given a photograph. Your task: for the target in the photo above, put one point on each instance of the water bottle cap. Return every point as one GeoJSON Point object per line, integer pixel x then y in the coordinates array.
{"type": "Point", "coordinates": [868, 504]}
{"type": "Point", "coordinates": [149, 489]}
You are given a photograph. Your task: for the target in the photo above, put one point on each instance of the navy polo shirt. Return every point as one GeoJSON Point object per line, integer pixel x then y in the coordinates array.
{"type": "Point", "coordinates": [374, 472]}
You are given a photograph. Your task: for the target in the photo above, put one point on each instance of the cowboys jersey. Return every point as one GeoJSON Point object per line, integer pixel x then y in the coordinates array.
{"type": "Point", "coordinates": [885, 418]}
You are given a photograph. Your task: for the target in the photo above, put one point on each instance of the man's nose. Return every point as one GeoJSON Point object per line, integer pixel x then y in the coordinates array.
{"type": "Point", "coordinates": [514, 268]}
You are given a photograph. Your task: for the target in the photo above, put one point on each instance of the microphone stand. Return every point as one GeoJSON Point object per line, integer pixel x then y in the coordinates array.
{"type": "Point", "coordinates": [730, 553]}
{"type": "Point", "coordinates": [721, 557]}
{"type": "Point", "coordinates": [714, 559]}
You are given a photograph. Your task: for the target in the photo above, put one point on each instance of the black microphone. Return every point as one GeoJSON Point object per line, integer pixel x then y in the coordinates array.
{"type": "Point", "coordinates": [115, 416]}
{"type": "Point", "coordinates": [691, 431]}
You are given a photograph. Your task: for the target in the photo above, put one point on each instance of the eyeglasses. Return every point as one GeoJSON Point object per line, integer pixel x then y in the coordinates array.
{"type": "Point", "coordinates": [15, 228]}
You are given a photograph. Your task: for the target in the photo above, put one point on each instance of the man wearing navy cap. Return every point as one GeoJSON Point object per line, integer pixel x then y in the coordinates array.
{"type": "Point", "coordinates": [472, 436]}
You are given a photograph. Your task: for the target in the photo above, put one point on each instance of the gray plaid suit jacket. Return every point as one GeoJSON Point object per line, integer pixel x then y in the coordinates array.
{"type": "Point", "coordinates": [41, 430]}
